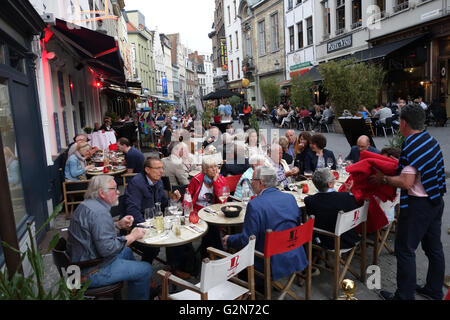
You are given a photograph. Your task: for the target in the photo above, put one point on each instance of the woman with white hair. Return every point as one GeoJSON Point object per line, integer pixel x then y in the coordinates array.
{"type": "Point", "coordinates": [205, 189]}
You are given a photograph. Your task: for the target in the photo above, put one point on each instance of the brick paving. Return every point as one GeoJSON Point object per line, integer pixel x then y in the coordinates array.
{"type": "Point", "coordinates": [321, 285]}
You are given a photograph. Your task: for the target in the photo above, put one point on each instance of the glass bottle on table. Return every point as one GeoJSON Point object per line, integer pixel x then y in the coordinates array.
{"type": "Point", "coordinates": [159, 218]}
{"type": "Point", "coordinates": [187, 207]}
{"type": "Point", "coordinates": [246, 187]}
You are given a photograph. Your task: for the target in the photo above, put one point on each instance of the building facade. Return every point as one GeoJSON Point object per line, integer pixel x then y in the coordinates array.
{"type": "Point", "coordinates": [168, 79]}
{"type": "Point", "coordinates": [409, 38]}
{"type": "Point", "coordinates": [141, 41]}
{"type": "Point", "coordinates": [233, 35]}
{"type": "Point", "coordinates": [263, 36]}
{"type": "Point", "coordinates": [219, 47]}
{"type": "Point", "coordinates": [299, 37]}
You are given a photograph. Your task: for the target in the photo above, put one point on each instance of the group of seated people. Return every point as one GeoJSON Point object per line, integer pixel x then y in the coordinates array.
{"type": "Point", "coordinates": [302, 117]}
{"type": "Point", "coordinates": [264, 167]}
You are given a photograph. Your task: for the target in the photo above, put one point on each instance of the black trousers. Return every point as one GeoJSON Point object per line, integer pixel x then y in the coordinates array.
{"type": "Point", "coordinates": [419, 223]}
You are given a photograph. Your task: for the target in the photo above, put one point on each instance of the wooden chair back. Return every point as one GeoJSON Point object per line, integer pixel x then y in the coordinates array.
{"type": "Point", "coordinates": [73, 192]}
{"type": "Point", "coordinates": [215, 272]}
{"type": "Point", "coordinates": [345, 222]}
{"type": "Point", "coordinates": [218, 278]}
{"type": "Point", "coordinates": [349, 220]}
{"type": "Point", "coordinates": [277, 242]}
{"type": "Point", "coordinates": [127, 178]}
{"type": "Point", "coordinates": [232, 182]}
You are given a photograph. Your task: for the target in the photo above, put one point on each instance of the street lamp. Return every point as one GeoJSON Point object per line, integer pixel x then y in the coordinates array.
{"type": "Point", "coordinates": [277, 65]}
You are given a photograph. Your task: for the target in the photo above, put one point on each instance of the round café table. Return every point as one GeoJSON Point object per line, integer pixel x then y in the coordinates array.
{"type": "Point", "coordinates": [169, 239]}
{"type": "Point", "coordinates": [218, 217]}
{"type": "Point", "coordinates": [99, 172]}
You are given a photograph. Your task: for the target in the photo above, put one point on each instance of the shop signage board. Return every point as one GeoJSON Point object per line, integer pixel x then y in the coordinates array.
{"type": "Point", "coordinates": [339, 44]}
{"type": "Point", "coordinates": [301, 66]}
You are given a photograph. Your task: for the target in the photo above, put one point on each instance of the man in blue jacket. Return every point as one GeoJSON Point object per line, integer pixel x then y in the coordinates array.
{"type": "Point", "coordinates": [143, 191]}
{"type": "Point", "coordinates": [363, 144]}
{"type": "Point", "coordinates": [275, 210]}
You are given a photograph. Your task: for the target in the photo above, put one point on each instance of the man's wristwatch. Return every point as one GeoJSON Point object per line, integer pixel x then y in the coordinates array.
{"type": "Point", "coordinates": [384, 180]}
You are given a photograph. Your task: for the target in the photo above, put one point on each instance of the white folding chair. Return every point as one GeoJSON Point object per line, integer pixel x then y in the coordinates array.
{"type": "Point", "coordinates": [390, 208]}
{"type": "Point", "coordinates": [218, 280]}
{"type": "Point", "coordinates": [345, 222]}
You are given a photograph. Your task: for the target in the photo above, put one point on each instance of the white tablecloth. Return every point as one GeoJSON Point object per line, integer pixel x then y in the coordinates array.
{"type": "Point", "coordinates": [102, 140]}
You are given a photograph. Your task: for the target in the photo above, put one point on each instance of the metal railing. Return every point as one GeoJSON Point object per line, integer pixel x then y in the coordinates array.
{"type": "Point", "coordinates": [401, 6]}
{"type": "Point", "coordinates": [356, 24]}
{"type": "Point", "coordinates": [340, 31]}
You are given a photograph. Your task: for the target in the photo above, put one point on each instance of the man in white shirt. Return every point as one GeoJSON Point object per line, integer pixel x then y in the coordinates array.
{"type": "Point", "coordinates": [423, 104]}
{"type": "Point", "coordinates": [383, 113]}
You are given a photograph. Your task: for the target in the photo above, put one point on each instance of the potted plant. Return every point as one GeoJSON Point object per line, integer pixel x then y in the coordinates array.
{"type": "Point", "coordinates": [15, 286]}
{"type": "Point", "coordinates": [88, 130]}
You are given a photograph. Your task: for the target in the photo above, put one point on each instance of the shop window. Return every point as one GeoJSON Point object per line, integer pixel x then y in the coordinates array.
{"type": "Point", "coordinates": [75, 123]}
{"type": "Point", "coordinates": [62, 95]}
{"type": "Point", "coordinates": [2, 54]}
{"type": "Point", "coordinates": [12, 160]}
{"type": "Point", "coordinates": [16, 61]}
{"type": "Point", "coordinates": [57, 132]}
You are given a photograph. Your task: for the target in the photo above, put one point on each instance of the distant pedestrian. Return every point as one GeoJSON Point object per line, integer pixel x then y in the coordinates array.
{"type": "Point", "coordinates": [421, 176]}
{"type": "Point", "coordinates": [247, 113]}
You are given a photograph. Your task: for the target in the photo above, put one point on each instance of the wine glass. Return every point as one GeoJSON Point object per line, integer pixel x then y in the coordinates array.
{"type": "Point", "coordinates": [224, 194]}
{"type": "Point", "coordinates": [149, 214]}
{"type": "Point", "coordinates": [308, 174]}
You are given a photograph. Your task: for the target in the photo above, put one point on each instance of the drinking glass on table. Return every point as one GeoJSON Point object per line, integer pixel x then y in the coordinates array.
{"type": "Point", "coordinates": [308, 174]}
{"type": "Point", "coordinates": [291, 184]}
{"type": "Point", "coordinates": [149, 213]}
{"type": "Point", "coordinates": [224, 193]}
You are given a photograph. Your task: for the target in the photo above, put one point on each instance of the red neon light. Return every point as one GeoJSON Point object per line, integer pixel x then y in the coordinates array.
{"type": "Point", "coordinates": [104, 53]}
{"type": "Point", "coordinates": [48, 35]}
{"type": "Point", "coordinates": [98, 84]}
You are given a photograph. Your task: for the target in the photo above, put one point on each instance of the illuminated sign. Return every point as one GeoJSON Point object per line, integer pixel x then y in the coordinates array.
{"type": "Point", "coordinates": [223, 52]}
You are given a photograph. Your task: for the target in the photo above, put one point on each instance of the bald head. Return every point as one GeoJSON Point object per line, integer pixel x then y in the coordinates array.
{"type": "Point", "coordinates": [363, 143]}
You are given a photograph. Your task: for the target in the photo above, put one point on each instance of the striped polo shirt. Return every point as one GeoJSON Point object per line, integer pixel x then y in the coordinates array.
{"type": "Point", "coordinates": [423, 152]}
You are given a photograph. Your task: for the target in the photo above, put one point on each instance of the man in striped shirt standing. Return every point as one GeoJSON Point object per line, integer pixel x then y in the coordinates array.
{"type": "Point", "coordinates": [421, 177]}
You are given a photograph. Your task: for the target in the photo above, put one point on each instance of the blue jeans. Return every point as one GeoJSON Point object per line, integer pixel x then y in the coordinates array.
{"type": "Point", "coordinates": [125, 268]}
{"type": "Point", "coordinates": [420, 223]}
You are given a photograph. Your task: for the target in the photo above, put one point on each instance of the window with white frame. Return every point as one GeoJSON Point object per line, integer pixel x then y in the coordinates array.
{"type": "Point", "coordinates": [309, 31]}
{"type": "Point", "coordinates": [262, 37]}
{"type": "Point", "coordinates": [275, 33]}
{"type": "Point", "coordinates": [300, 34]}
{"type": "Point", "coordinates": [291, 39]}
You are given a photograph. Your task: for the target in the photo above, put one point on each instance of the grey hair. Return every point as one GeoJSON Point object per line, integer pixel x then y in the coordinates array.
{"type": "Point", "coordinates": [257, 158]}
{"type": "Point", "coordinates": [267, 175]}
{"type": "Point", "coordinates": [208, 161]}
{"type": "Point", "coordinates": [97, 183]}
{"type": "Point", "coordinates": [176, 148]}
{"type": "Point", "coordinates": [321, 178]}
